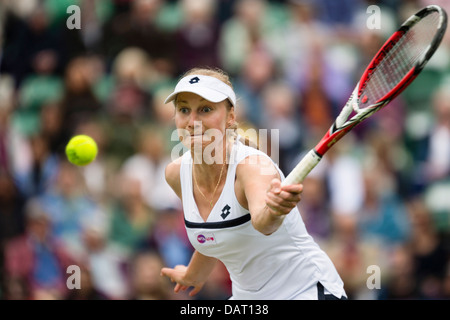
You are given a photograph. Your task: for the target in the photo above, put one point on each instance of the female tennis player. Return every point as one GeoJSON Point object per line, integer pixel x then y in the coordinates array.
{"type": "Point", "coordinates": [235, 209]}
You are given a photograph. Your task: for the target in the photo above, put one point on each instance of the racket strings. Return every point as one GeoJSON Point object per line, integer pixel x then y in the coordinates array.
{"type": "Point", "coordinates": [400, 59]}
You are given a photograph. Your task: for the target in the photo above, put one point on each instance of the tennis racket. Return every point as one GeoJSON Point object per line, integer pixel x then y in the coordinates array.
{"type": "Point", "coordinates": [393, 68]}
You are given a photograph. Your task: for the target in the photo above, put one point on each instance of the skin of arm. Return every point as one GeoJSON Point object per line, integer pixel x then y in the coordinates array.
{"type": "Point", "coordinates": [258, 188]}
{"type": "Point", "coordinates": [194, 275]}
{"type": "Point", "coordinates": [200, 266]}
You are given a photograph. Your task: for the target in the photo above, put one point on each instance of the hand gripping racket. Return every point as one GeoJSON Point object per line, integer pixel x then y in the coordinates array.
{"type": "Point", "coordinates": [393, 68]}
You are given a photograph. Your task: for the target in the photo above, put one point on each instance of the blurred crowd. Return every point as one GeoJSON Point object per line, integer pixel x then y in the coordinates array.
{"type": "Point", "coordinates": [380, 197]}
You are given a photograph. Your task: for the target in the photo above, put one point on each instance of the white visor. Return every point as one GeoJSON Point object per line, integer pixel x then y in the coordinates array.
{"type": "Point", "coordinates": [209, 88]}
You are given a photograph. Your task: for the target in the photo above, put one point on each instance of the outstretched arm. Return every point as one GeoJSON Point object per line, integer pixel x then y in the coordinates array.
{"type": "Point", "coordinates": [259, 189]}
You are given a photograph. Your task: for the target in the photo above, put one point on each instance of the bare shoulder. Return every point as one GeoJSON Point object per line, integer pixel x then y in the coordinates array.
{"type": "Point", "coordinates": [253, 175]}
{"type": "Point", "coordinates": [172, 174]}
{"type": "Point", "coordinates": [256, 165]}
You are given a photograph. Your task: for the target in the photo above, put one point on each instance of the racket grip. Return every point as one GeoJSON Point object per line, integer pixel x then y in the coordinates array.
{"type": "Point", "coordinates": [301, 170]}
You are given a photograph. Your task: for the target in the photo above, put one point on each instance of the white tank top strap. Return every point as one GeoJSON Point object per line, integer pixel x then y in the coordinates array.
{"type": "Point", "coordinates": [241, 152]}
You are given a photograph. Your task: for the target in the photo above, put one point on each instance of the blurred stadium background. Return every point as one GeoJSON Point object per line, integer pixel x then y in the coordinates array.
{"type": "Point", "coordinates": [380, 197]}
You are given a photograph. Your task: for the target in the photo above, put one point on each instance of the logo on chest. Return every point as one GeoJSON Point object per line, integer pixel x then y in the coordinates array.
{"type": "Point", "coordinates": [206, 238]}
{"type": "Point", "coordinates": [225, 211]}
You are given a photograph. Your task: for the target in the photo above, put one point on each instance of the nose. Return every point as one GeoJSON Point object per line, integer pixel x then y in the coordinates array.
{"type": "Point", "coordinates": [194, 123]}
{"type": "Point", "coordinates": [192, 119]}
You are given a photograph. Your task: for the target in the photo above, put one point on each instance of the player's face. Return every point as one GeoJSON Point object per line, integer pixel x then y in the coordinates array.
{"type": "Point", "coordinates": [199, 120]}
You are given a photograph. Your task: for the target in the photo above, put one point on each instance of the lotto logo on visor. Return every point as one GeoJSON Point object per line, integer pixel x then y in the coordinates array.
{"type": "Point", "coordinates": [194, 80]}
{"type": "Point", "coordinates": [209, 88]}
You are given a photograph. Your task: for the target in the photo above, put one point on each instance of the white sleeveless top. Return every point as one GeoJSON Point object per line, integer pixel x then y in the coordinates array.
{"type": "Point", "coordinates": [287, 264]}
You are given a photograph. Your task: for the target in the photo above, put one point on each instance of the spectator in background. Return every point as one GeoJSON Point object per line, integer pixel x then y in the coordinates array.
{"type": "Point", "coordinates": [101, 171]}
{"type": "Point", "coordinates": [94, 14]}
{"type": "Point", "coordinates": [31, 42]}
{"type": "Point", "coordinates": [400, 283]}
{"type": "Point", "coordinates": [12, 202]}
{"type": "Point", "coordinates": [345, 180]}
{"type": "Point", "coordinates": [318, 60]}
{"type": "Point", "coordinates": [338, 15]}
{"type": "Point", "coordinates": [13, 144]}
{"type": "Point", "coordinates": [352, 255]}
{"type": "Point", "coordinates": [133, 76]}
{"type": "Point", "coordinates": [147, 166]}
{"type": "Point", "coordinates": [428, 250]}
{"type": "Point", "coordinates": [87, 290]}
{"type": "Point", "coordinates": [145, 280]}
{"type": "Point", "coordinates": [41, 169]}
{"type": "Point", "coordinates": [281, 114]}
{"type": "Point", "coordinates": [79, 102]}
{"type": "Point", "coordinates": [70, 209]}
{"type": "Point", "coordinates": [383, 217]}
{"type": "Point", "coordinates": [218, 285]}
{"type": "Point", "coordinates": [52, 127]}
{"type": "Point", "coordinates": [36, 90]}
{"type": "Point", "coordinates": [131, 219]}
{"type": "Point", "coordinates": [36, 259]}
{"type": "Point", "coordinates": [438, 162]}
{"type": "Point", "coordinates": [252, 25]}
{"type": "Point", "coordinates": [170, 238]}
{"type": "Point", "coordinates": [127, 101]}
{"type": "Point", "coordinates": [315, 209]}
{"type": "Point", "coordinates": [138, 27]}
{"type": "Point", "coordinates": [256, 74]}
{"type": "Point", "coordinates": [12, 217]}
{"type": "Point", "coordinates": [197, 36]}
{"type": "Point", "coordinates": [164, 118]}
{"type": "Point", "coordinates": [105, 262]}
{"type": "Point", "coordinates": [303, 35]}
{"type": "Point", "coordinates": [446, 283]}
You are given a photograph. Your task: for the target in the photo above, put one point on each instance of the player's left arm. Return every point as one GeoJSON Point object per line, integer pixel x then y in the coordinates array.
{"type": "Point", "coordinates": [258, 188]}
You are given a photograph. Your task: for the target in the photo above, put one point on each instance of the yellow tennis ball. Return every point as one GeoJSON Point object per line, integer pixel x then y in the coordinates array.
{"type": "Point", "coordinates": [81, 150]}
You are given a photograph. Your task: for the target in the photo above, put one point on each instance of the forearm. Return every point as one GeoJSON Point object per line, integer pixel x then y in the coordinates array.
{"type": "Point", "coordinates": [200, 267]}
{"type": "Point", "coordinates": [266, 221]}
{"type": "Point", "coordinates": [263, 195]}
{"type": "Point", "coordinates": [278, 202]}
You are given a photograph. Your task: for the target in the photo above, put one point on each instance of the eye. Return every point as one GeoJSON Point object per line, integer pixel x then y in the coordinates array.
{"type": "Point", "coordinates": [206, 109]}
{"type": "Point", "coordinates": [183, 110]}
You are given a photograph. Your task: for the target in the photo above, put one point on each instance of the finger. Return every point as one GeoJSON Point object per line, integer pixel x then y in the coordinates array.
{"type": "Point", "coordinates": [275, 186]}
{"type": "Point", "coordinates": [287, 196]}
{"type": "Point", "coordinates": [168, 272]}
{"type": "Point", "coordinates": [277, 209]}
{"type": "Point", "coordinates": [281, 206]}
{"type": "Point", "coordinates": [293, 188]}
{"type": "Point", "coordinates": [285, 199]}
{"type": "Point", "coordinates": [195, 290]}
{"type": "Point", "coordinates": [276, 212]}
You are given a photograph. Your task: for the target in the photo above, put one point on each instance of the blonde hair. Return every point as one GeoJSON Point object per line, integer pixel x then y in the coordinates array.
{"type": "Point", "coordinates": [212, 72]}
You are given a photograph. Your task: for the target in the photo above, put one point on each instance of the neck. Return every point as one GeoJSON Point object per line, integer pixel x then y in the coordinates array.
{"type": "Point", "coordinates": [208, 195]}
{"type": "Point", "coordinates": [208, 179]}
{"type": "Point", "coordinates": [207, 163]}
{"type": "Point", "coordinates": [207, 175]}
